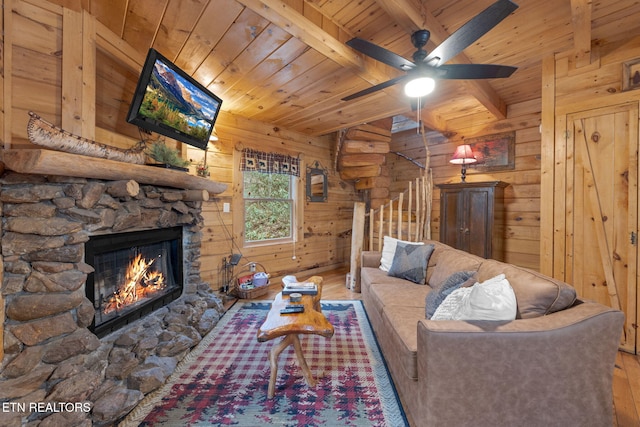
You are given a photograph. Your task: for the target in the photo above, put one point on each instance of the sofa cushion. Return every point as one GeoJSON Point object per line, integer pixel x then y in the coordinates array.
{"type": "Point", "coordinates": [449, 261]}
{"type": "Point", "coordinates": [400, 337]}
{"type": "Point", "coordinates": [410, 262]}
{"type": "Point", "coordinates": [389, 251]}
{"type": "Point", "coordinates": [492, 299]}
{"type": "Point", "coordinates": [406, 294]}
{"type": "Point", "coordinates": [535, 293]}
{"type": "Point", "coordinates": [371, 275]}
{"type": "Point", "coordinates": [453, 282]}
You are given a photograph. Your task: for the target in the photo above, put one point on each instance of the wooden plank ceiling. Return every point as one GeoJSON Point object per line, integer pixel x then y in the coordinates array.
{"type": "Point", "coordinates": [286, 62]}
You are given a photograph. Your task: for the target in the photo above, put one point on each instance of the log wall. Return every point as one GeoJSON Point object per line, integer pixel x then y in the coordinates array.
{"type": "Point", "coordinates": [522, 196]}
{"type": "Point", "coordinates": [44, 75]}
{"type": "Point", "coordinates": [324, 233]}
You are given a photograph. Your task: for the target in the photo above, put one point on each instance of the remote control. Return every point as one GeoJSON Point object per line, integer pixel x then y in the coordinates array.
{"type": "Point", "coordinates": [297, 306]}
{"type": "Point", "coordinates": [291, 310]}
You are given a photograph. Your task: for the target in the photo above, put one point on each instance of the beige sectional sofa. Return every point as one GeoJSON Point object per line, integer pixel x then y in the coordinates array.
{"type": "Point", "coordinates": [551, 366]}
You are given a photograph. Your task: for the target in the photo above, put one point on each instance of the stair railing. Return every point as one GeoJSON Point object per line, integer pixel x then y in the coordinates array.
{"type": "Point", "coordinates": [405, 217]}
{"type": "Point", "coordinates": [416, 227]}
{"type": "Point", "coordinates": [412, 223]}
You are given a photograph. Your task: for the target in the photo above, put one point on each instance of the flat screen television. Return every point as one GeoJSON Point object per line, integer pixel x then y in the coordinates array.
{"type": "Point", "coordinates": [170, 102]}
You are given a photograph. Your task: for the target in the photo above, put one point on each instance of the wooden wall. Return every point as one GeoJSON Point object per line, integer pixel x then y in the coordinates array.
{"type": "Point", "coordinates": [522, 196]}
{"type": "Point", "coordinates": [33, 71]}
{"type": "Point", "coordinates": [43, 77]}
{"type": "Point", "coordinates": [605, 269]}
{"type": "Point", "coordinates": [324, 233]}
{"type": "Point", "coordinates": [567, 90]}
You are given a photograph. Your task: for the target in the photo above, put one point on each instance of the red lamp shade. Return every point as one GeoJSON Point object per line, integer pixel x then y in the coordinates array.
{"type": "Point", "coordinates": [463, 156]}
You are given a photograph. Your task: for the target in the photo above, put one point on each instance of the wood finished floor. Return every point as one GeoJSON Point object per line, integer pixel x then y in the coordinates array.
{"type": "Point", "coordinates": [626, 379]}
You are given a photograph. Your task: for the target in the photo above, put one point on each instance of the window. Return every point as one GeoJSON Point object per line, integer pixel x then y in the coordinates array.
{"type": "Point", "coordinates": [268, 207]}
{"type": "Point", "coordinates": [270, 187]}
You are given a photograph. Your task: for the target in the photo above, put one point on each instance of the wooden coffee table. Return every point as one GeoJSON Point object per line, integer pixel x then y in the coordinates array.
{"type": "Point", "coordinates": [289, 326]}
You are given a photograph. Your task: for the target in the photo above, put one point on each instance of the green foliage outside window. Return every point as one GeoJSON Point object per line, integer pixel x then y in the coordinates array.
{"type": "Point", "coordinates": [267, 205]}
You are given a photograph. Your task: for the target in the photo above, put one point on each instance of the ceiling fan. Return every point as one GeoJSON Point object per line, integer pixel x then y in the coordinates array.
{"type": "Point", "coordinates": [426, 67]}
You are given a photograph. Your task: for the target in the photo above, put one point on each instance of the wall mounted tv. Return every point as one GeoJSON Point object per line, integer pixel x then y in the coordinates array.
{"type": "Point", "coordinates": [170, 102]}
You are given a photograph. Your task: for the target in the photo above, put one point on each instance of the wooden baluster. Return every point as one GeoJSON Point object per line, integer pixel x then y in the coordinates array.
{"type": "Point", "coordinates": [357, 240]}
{"type": "Point", "coordinates": [400, 200]}
{"type": "Point", "coordinates": [429, 204]}
{"type": "Point", "coordinates": [371, 225]}
{"type": "Point", "coordinates": [380, 222]}
{"type": "Point", "coordinates": [418, 210]}
{"type": "Point", "coordinates": [390, 224]}
{"type": "Point", "coordinates": [409, 213]}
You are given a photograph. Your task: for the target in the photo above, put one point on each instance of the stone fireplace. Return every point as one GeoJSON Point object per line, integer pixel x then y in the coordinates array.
{"type": "Point", "coordinates": [134, 274]}
{"type": "Point", "coordinates": [72, 356]}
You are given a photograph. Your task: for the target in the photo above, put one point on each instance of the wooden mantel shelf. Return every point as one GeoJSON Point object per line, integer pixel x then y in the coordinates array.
{"type": "Point", "coordinates": [48, 162]}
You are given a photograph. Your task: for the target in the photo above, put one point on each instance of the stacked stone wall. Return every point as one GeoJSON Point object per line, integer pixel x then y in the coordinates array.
{"type": "Point", "coordinates": [55, 371]}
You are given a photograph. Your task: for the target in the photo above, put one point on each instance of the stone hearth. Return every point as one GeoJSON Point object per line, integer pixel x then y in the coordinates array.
{"type": "Point", "coordinates": [55, 371]}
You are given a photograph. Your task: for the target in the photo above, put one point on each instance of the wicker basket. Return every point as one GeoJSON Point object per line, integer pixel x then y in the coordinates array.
{"type": "Point", "coordinates": [252, 292]}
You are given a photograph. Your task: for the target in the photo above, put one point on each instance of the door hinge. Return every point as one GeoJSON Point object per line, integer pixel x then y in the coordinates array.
{"type": "Point", "coordinates": [634, 238]}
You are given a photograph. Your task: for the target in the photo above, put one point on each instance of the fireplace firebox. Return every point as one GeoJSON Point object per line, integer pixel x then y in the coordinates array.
{"type": "Point", "coordinates": [135, 274]}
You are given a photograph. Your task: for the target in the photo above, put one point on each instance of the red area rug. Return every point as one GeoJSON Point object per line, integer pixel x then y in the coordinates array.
{"type": "Point", "coordinates": [224, 380]}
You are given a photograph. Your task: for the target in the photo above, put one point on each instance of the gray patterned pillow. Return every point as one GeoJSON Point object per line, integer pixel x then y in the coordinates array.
{"type": "Point", "coordinates": [410, 262]}
{"type": "Point", "coordinates": [453, 282]}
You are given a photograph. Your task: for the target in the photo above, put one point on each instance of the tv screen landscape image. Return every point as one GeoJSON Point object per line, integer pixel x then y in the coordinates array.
{"type": "Point", "coordinates": [170, 102]}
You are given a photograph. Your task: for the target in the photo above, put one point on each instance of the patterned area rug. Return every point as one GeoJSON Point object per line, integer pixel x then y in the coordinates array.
{"type": "Point", "coordinates": [224, 380]}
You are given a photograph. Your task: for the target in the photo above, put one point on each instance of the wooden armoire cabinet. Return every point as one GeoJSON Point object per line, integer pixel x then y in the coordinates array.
{"type": "Point", "coordinates": [472, 217]}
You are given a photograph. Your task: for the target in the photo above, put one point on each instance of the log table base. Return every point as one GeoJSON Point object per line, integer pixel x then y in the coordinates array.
{"type": "Point", "coordinates": [290, 326]}
{"type": "Point", "coordinates": [273, 361]}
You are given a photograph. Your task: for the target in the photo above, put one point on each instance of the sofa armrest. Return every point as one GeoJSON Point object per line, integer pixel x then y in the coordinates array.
{"type": "Point", "coordinates": [371, 258]}
{"type": "Point", "coordinates": [550, 370]}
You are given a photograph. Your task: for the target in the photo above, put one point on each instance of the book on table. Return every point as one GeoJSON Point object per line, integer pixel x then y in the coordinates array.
{"type": "Point", "coordinates": [304, 288]}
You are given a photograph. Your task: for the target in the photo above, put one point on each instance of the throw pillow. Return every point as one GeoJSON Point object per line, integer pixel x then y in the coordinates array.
{"type": "Point", "coordinates": [410, 262]}
{"type": "Point", "coordinates": [492, 299]}
{"type": "Point", "coordinates": [450, 308]}
{"type": "Point", "coordinates": [389, 251]}
{"type": "Point", "coordinates": [449, 261]}
{"type": "Point", "coordinates": [453, 282]}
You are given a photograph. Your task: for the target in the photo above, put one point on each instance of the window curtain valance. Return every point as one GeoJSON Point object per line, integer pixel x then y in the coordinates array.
{"type": "Point", "coordinates": [260, 161]}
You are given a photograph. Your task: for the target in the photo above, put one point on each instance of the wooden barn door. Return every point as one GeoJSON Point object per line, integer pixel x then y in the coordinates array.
{"type": "Point", "coordinates": [602, 214]}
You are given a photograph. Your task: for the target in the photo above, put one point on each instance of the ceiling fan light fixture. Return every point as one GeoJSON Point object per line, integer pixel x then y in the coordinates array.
{"type": "Point", "coordinates": [419, 87]}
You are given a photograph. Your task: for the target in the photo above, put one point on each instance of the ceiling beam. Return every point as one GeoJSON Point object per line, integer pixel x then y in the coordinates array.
{"type": "Point", "coordinates": [581, 21]}
{"type": "Point", "coordinates": [411, 19]}
{"type": "Point", "coordinates": [315, 37]}
{"type": "Point", "coordinates": [433, 121]}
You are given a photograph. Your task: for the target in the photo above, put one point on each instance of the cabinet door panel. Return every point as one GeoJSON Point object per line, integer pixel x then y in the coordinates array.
{"type": "Point", "coordinates": [451, 219]}
{"type": "Point", "coordinates": [478, 227]}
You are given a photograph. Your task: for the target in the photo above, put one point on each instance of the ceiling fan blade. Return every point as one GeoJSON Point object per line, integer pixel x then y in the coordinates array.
{"type": "Point", "coordinates": [380, 54]}
{"type": "Point", "coordinates": [476, 71]}
{"type": "Point", "coordinates": [471, 31]}
{"type": "Point", "coordinates": [375, 88]}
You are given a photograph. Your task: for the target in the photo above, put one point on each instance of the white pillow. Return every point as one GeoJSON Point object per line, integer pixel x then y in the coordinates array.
{"type": "Point", "coordinates": [389, 251]}
{"type": "Point", "coordinates": [492, 299]}
{"type": "Point", "coordinates": [449, 308]}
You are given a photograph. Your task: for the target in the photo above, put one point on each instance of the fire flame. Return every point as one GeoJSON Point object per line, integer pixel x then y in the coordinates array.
{"type": "Point", "coordinates": [139, 283]}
